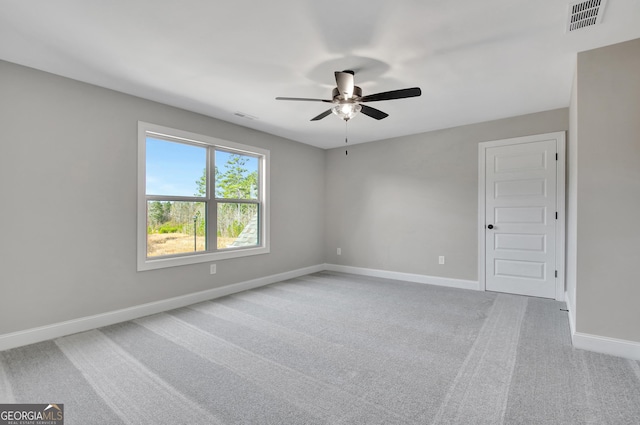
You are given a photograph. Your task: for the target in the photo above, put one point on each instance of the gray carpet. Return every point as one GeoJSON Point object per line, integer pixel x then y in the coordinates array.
{"type": "Point", "coordinates": [331, 348]}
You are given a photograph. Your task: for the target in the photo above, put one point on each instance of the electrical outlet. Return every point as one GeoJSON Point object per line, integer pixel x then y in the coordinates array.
{"type": "Point", "coordinates": [441, 259]}
{"type": "Point", "coordinates": [212, 269]}
{"type": "Point", "coordinates": [339, 251]}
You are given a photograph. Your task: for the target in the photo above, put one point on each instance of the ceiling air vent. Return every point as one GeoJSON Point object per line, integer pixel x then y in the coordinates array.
{"type": "Point", "coordinates": [584, 14]}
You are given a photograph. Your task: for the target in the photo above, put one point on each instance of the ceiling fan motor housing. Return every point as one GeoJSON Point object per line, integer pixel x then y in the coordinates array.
{"type": "Point", "coordinates": [337, 97]}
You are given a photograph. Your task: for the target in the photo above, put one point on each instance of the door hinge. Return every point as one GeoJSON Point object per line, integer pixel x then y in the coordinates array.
{"type": "Point", "coordinates": [556, 215]}
{"type": "Point", "coordinates": [556, 156]}
{"type": "Point", "coordinates": [556, 273]}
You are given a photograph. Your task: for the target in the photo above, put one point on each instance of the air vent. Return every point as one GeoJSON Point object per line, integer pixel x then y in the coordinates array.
{"type": "Point", "coordinates": [584, 14]}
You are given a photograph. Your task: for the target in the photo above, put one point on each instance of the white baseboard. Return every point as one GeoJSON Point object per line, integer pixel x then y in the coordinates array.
{"type": "Point", "coordinates": [44, 333]}
{"type": "Point", "coordinates": [600, 344]}
{"type": "Point", "coordinates": [605, 345]}
{"type": "Point", "coordinates": [408, 277]}
{"type": "Point", "coordinates": [616, 347]}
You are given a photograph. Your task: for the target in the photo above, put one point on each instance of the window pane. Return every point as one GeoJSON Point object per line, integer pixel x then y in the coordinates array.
{"type": "Point", "coordinates": [236, 176]}
{"type": "Point", "coordinates": [237, 225]}
{"type": "Point", "coordinates": [175, 227]}
{"type": "Point", "coordinates": [175, 169]}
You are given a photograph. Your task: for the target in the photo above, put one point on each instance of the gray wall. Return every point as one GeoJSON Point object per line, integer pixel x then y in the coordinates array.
{"type": "Point", "coordinates": [398, 204]}
{"type": "Point", "coordinates": [68, 184]}
{"type": "Point", "coordinates": [608, 191]}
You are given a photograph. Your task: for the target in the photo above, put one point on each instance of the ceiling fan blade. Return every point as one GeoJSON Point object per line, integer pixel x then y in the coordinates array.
{"type": "Point", "coordinates": [345, 83]}
{"type": "Point", "coordinates": [393, 94]}
{"type": "Point", "coordinates": [322, 115]}
{"type": "Point", "coordinates": [306, 99]}
{"type": "Point", "coordinates": [373, 112]}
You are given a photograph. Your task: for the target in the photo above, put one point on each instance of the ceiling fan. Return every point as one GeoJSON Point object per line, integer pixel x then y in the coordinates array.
{"type": "Point", "coordinates": [348, 100]}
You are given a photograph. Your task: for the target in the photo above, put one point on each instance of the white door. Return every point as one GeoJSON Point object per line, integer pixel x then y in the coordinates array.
{"type": "Point", "coordinates": [521, 210]}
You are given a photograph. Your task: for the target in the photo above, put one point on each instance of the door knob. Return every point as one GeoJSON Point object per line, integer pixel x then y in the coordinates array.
{"type": "Point", "coordinates": [490, 226]}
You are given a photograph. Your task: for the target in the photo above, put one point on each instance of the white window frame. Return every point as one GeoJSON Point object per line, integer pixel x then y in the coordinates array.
{"type": "Point", "coordinates": [149, 263]}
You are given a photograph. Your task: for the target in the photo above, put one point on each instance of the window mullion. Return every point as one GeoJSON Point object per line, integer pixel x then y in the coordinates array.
{"type": "Point", "coordinates": [237, 201]}
{"type": "Point", "coordinates": [212, 207]}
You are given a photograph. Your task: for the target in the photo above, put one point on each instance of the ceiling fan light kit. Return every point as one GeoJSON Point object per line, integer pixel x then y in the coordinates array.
{"type": "Point", "coordinates": [346, 111]}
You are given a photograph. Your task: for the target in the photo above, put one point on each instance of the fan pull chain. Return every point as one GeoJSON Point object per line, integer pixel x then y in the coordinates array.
{"type": "Point", "coordinates": [346, 136]}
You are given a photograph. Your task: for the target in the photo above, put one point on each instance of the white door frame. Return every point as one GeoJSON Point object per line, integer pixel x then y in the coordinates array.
{"type": "Point", "coordinates": [560, 202]}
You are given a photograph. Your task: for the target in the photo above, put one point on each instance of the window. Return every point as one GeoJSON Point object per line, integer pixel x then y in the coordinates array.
{"type": "Point", "coordinates": [200, 198]}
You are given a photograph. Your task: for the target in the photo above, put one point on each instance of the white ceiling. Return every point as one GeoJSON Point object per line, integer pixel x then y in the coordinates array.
{"type": "Point", "coordinates": [475, 61]}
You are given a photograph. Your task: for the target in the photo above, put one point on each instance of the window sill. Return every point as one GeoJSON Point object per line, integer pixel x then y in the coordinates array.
{"type": "Point", "coordinates": [145, 264]}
